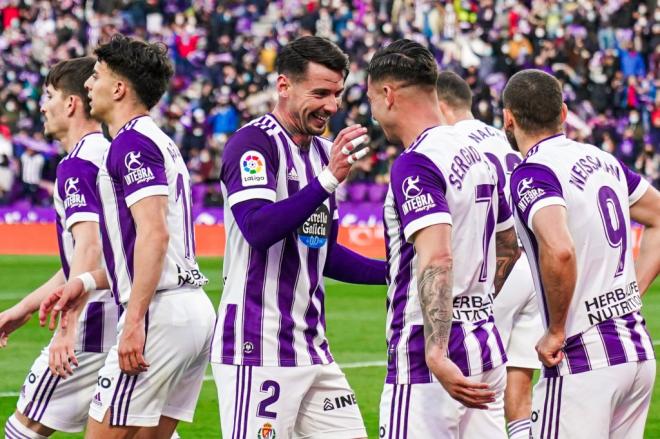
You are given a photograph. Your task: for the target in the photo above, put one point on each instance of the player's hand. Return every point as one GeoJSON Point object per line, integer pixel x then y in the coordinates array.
{"type": "Point", "coordinates": [61, 352]}
{"type": "Point", "coordinates": [11, 320]}
{"type": "Point", "coordinates": [470, 393]}
{"type": "Point", "coordinates": [342, 155]}
{"type": "Point", "coordinates": [131, 348]}
{"type": "Point", "coordinates": [62, 300]}
{"type": "Point", "coordinates": [549, 348]}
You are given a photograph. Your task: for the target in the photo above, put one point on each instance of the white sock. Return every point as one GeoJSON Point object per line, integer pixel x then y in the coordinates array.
{"type": "Point", "coordinates": [14, 429]}
{"type": "Point", "coordinates": [519, 429]}
{"type": "Point", "coordinates": [175, 435]}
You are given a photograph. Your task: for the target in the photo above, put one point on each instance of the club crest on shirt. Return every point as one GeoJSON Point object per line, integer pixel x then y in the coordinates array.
{"type": "Point", "coordinates": [266, 432]}
{"type": "Point", "coordinates": [73, 197]}
{"type": "Point", "coordinates": [527, 193]}
{"type": "Point", "coordinates": [416, 200]}
{"type": "Point", "coordinates": [253, 169]}
{"type": "Point", "coordinates": [137, 172]}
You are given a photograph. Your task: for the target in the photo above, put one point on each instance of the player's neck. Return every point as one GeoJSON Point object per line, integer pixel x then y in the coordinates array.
{"type": "Point", "coordinates": [458, 116]}
{"type": "Point", "coordinates": [77, 130]}
{"type": "Point", "coordinates": [528, 141]}
{"type": "Point", "coordinates": [302, 140]}
{"type": "Point", "coordinates": [121, 116]}
{"type": "Point", "coordinates": [414, 123]}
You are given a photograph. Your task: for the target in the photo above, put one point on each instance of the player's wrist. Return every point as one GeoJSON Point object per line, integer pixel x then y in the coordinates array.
{"type": "Point", "coordinates": [88, 281]}
{"type": "Point", "coordinates": [328, 180]}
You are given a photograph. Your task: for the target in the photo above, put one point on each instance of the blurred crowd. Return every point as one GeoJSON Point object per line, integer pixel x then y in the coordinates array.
{"type": "Point", "coordinates": [605, 53]}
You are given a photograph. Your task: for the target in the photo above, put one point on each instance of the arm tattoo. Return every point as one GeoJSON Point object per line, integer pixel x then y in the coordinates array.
{"type": "Point", "coordinates": [435, 295]}
{"type": "Point", "coordinates": [507, 253]}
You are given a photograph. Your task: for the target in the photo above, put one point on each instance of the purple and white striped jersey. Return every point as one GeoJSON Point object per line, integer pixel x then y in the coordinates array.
{"type": "Point", "coordinates": [143, 161]}
{"type": "Point", "coordinates": [604, 326]}
{"type": "Point", "coordinates": [272, 310]}
{"type": "Point", "coordinates": [443, 179]}
{"type": "Point", "coordinates": [76, 200]}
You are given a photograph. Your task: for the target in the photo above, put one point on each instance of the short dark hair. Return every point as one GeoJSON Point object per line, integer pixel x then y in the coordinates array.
{"type": "Point", "coordinates": [535, 99]}
{"type": "Point", "coordinates": [294, 58]}
{"type": "Point", "coordinates": [453, 90]}
{"type": "Point", "coordinates": [69, 76]}
{"type": "Point", "coordinates": [145, 65]}
{"type": "Point", "coordinates": [404, 60]}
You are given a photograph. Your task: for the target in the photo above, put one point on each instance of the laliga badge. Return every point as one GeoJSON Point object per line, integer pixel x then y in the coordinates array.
{"type": "Point", "coordinates": [315, 230]}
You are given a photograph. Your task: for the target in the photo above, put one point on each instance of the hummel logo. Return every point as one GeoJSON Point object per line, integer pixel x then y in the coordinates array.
{"type": "Point", "coordinates": [293, 175]}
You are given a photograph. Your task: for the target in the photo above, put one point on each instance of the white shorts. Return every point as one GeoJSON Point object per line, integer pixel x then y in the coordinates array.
{"type": "Point", "coordinates": [427, 411]}
{"type": "Point", "coordinates": [179, 329]}
{"type": "Point", "coordinates": [610, 402]}
{"type": "Point", "coordinates": [517, 317]}
{"type": "Point", "coordinates": [60, 404]}
{"type": "Point", "coordinates": [287, 402]}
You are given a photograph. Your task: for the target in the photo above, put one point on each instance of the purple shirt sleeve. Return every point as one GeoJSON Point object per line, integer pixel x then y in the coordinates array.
{"type": "Point", "coordinates": [249, 166]}
{"type": "Point", "coordinates": [263, 223]}
{"type": "Point", "coordinates": [76, 184]}
{"type": "Point", "coordinates": [534, 186]}
{"type": "Point", "coordinates": [346, 265]}
{"type": "Point", "coordinates": [419, 193]}
{"type": "Point", "coordinates": [637, 186]}
{"type": "Point", "coordinates": [137, 164]}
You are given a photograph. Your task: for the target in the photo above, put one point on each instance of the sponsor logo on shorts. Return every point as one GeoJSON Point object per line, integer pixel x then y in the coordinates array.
{"type": "Point", "coordinates": [535, 416]}
{"type": "Point", "coordinates": [266, 432]}
{"type": "Point", "coordinates": [103, 382]}
{"type": "Point", "coordinates": [382, 431]}
{"type": "Point", "coordinates": [97, 399]}
{"type": "Point", "coordinates": [339, 402]}
{"type": "Point", "coordinates": [32, 378]}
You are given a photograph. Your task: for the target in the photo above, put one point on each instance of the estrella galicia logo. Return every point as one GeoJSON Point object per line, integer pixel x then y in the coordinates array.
{"type": "Point", "coordinates": [132, 161]}
{"type": "Point", "coordinates": [73, 198]}
{"type": "Point", "coordinates": [137, 172]}
{"type": "Point", "coordinates": [410, 188]}
{"type": "Point", "coordinates": [315, 230]}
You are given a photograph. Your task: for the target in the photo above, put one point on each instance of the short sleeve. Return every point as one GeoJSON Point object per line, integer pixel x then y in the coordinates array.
{"type": "Point", "coordinates": [76, 184]}
{"type": "Point", "coordinates": [534, 186]}
{"type": "Point", "coordinates": [138, 165]}
{"type": "Point", "coordinates": [637, 186]}
{"type": "Point", "coordinates": [504, 215]}
{"type": "Point", "coordinates": [249, 166]}
{"type": "Point", "coordinates": [419, 193]}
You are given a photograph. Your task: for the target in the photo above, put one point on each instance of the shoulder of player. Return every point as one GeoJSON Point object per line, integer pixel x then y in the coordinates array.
{"type": "Point", "coordinates": [92, 149]}
{"type": "Point", "coordinates": [248, 135]}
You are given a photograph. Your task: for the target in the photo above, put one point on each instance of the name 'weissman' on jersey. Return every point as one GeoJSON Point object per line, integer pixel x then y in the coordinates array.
{"type": "Point", "coordinates": [76, 200]}
{"type": "Point", "coordinates": [143, 161]}
{"type": "Point", "coordinates": [272, 310]}
{"type": "Point", "coordinates": [604, 326]}
{"type": "Point", "coordinates": [443, 179]}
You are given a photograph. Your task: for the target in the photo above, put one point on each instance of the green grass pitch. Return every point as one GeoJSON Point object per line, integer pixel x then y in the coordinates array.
{"type": "Point", "coordinates": [356, 325]}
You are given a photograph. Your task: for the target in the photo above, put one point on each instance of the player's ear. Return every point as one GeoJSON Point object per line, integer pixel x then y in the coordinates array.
{"type": "Point", "coordinates": [119, 90]}
{"type": "Point", "coordinates": [564, 112]}
{"type": "Point", "coordinates": [509, 121]}
{"type": "Point", "coordinates": [282, 85]}
{"type": "Point", "coordinates": [388, 91]}
{"type": "Point", "coordinates": [71, 103]}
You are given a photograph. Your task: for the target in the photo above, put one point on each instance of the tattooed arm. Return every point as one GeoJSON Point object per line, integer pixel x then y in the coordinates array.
{"type": "Point", "coordinates": [434, 286]}
{"type": "Point", "coordinates": [507, 253]}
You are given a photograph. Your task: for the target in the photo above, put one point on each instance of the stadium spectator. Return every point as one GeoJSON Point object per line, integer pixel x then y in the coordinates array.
{"type": "Point", "coordinates": [606, 55]}
{"type": "Point", "coordinates": [32, 165]}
